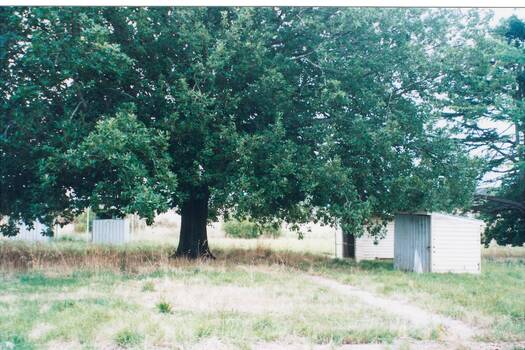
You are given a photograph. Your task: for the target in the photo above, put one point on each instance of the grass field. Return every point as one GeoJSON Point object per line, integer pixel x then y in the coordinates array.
{"type": "Point", "coordinates": [200, 305]}
{"type": "Point", "coordinates": [78, 296]}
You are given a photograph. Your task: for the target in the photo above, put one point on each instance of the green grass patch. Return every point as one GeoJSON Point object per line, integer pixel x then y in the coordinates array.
{"type": "Point", "coordinates": [128, 338]}
{"type": "Point", "coordinates": [164, 307]}
{"type": "Point", "coordinates": [270, 304]}
{"type": "Point", "coordinates": [18, 342]}
{"type": "Point", "coordinates": [148, 286]}
{"type": "Point", "coordinates": [250, 230]}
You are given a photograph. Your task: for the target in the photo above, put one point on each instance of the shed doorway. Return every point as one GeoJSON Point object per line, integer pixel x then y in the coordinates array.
{"type": "Point", "coordinates": [412, 243]}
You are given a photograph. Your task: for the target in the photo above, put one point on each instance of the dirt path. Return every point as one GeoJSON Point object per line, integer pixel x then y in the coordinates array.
{"type": "Point", "coordinates": [396, 345]}
{"type": "Point", "coordinates": [459, 335]}
{"type": "Point", "coordinates": [457, 331]}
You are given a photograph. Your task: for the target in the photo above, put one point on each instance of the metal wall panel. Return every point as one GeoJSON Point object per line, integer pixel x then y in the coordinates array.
{"type": "Point", "coordinates": [111, 231]}
{"type": "Point", "coordinates": [456, 244]}
{"type": "Point", "coordinates": [370, 248]}
{"type": "Point", "coordinates": [339, 244]}
{"type": "Point", "coordinates": [365, 248]}
{"type": "Point", "coordinates": [412, 240]}
{"type": "Point", "coordinates": [33, 235]}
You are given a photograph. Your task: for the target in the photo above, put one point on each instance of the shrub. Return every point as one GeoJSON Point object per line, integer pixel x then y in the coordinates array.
{"type": "Point", "coordinates": [127, 338]}
{"type": "Point", "coordinates": [80, 222]}
{"type": "Point", "coordinates": [248, 229]}
{"type": "Point", "coordinates": [68, 238]}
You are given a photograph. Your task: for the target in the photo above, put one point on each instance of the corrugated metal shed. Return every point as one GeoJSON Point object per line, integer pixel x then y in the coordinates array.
{"type": "Point", "coordinates": [111, 231]}
{"type": "Point", "coordinates": [368, 247]}
{"type": "Point", "coordinates": [34, 234]}
{"type": "Point", "coordinates": [434, 242]}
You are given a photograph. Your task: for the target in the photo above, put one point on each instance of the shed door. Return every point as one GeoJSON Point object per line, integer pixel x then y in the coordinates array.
{"type": "Point", "coordinates": [348, 245]}
{"type": "Point", "coordinates": [412, 243]}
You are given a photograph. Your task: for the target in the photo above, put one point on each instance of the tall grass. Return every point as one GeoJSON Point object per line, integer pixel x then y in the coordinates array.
{"type": "Point", "coordinates": [134, 258]}
{"type": "Point", "coordinates": [204, 306]}
{"type": "Point", "coordinates": [503, 253]}
{"type": "Point", "coordinates": [492, 300]}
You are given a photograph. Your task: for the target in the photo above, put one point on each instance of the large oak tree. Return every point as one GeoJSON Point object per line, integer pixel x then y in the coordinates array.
{"type": "Point", "coordinates": [292, 114]}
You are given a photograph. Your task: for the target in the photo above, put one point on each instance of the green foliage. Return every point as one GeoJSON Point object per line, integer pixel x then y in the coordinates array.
{"type": "Point", "coordinates": [58, 83]}
{"type": "Point", "coordinates": [484, 91]}
{"type": "Point", "coordinates": [127, 338]}
{"type": "Point", "coordinates": [80, 221]}
{"type": "Point", "coordinates": [293, 114]}
{"type": "Point", "coordinates": [129, 164]}
{"type": "Point", "coordinates": [69, 238]}
{"type": "Point", "coordinates": [240, 229]}
{"type": "Point", "coordinates": [248, 229]}
{"type": "Point", "coordinates": [504, 223]}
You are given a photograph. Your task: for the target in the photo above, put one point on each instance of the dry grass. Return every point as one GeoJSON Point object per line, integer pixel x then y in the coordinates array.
{"type": "Point", "coordinates": [72, 256]}
{"type": "Point", "coordinates": [496, 252]}
{"type": "Point", "coordinates": [234, 290]}
{"type": "Point", "coordinates": [211, 305]}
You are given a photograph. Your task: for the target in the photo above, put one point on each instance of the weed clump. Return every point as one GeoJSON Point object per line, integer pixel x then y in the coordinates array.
{"type": "Point", "coordinates": [164, 307]}
{"type": "Point", "coordinates": [128, 338]}
{"type": "Point", "coordinates": [148, 287]}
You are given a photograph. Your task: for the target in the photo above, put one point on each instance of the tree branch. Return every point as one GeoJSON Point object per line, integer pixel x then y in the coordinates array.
{"type": "Point", "coordinates": [508, 202]}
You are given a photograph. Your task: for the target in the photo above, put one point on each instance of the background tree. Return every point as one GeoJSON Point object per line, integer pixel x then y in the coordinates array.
{"type": "Point", "coordinates": [292, 114]}
{"type": "Point", "coordinates": [485, 89]}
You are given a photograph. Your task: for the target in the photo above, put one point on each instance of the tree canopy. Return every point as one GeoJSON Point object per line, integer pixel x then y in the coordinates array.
{"type": "Point", "coordinates": [485, 91]}
{"type": "Point", "coordinates": [275, 114]}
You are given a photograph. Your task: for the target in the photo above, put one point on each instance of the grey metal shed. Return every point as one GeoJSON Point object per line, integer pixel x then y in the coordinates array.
{"type": "Point", "coordinates": [435, 242]}
{"type": "Point", "coordinates": [111, 231]}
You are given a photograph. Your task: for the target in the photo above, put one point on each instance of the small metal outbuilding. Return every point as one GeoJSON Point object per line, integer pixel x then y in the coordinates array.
{"type": "Point", "coordinates": [366, 247]}
{"type": "Point", "coordinates": [34, 234]}
{"type": "Point", "coordinates": [434, 242]}
{"type": "Point", "coordinates": [111, 231]}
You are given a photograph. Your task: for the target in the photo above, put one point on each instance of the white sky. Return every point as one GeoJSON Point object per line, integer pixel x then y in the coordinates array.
{"type": "Point", "coordinates": [368, 3]}
{"type": "Point", "coordinates": [500, 13]}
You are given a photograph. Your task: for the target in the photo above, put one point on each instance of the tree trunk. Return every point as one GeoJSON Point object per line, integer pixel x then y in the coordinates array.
{"type": "Point", "coordinates": [193, 242]}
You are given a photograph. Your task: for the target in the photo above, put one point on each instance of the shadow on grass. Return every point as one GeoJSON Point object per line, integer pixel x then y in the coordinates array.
{"type": "Point", "coordinates": [41, 280]}
{"type": "Point", "coordinates": [377, 265]}
{"type": "Point", "coordinates": [15, 341]}
{"type": "Point", "coordinates": [367, 265]}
